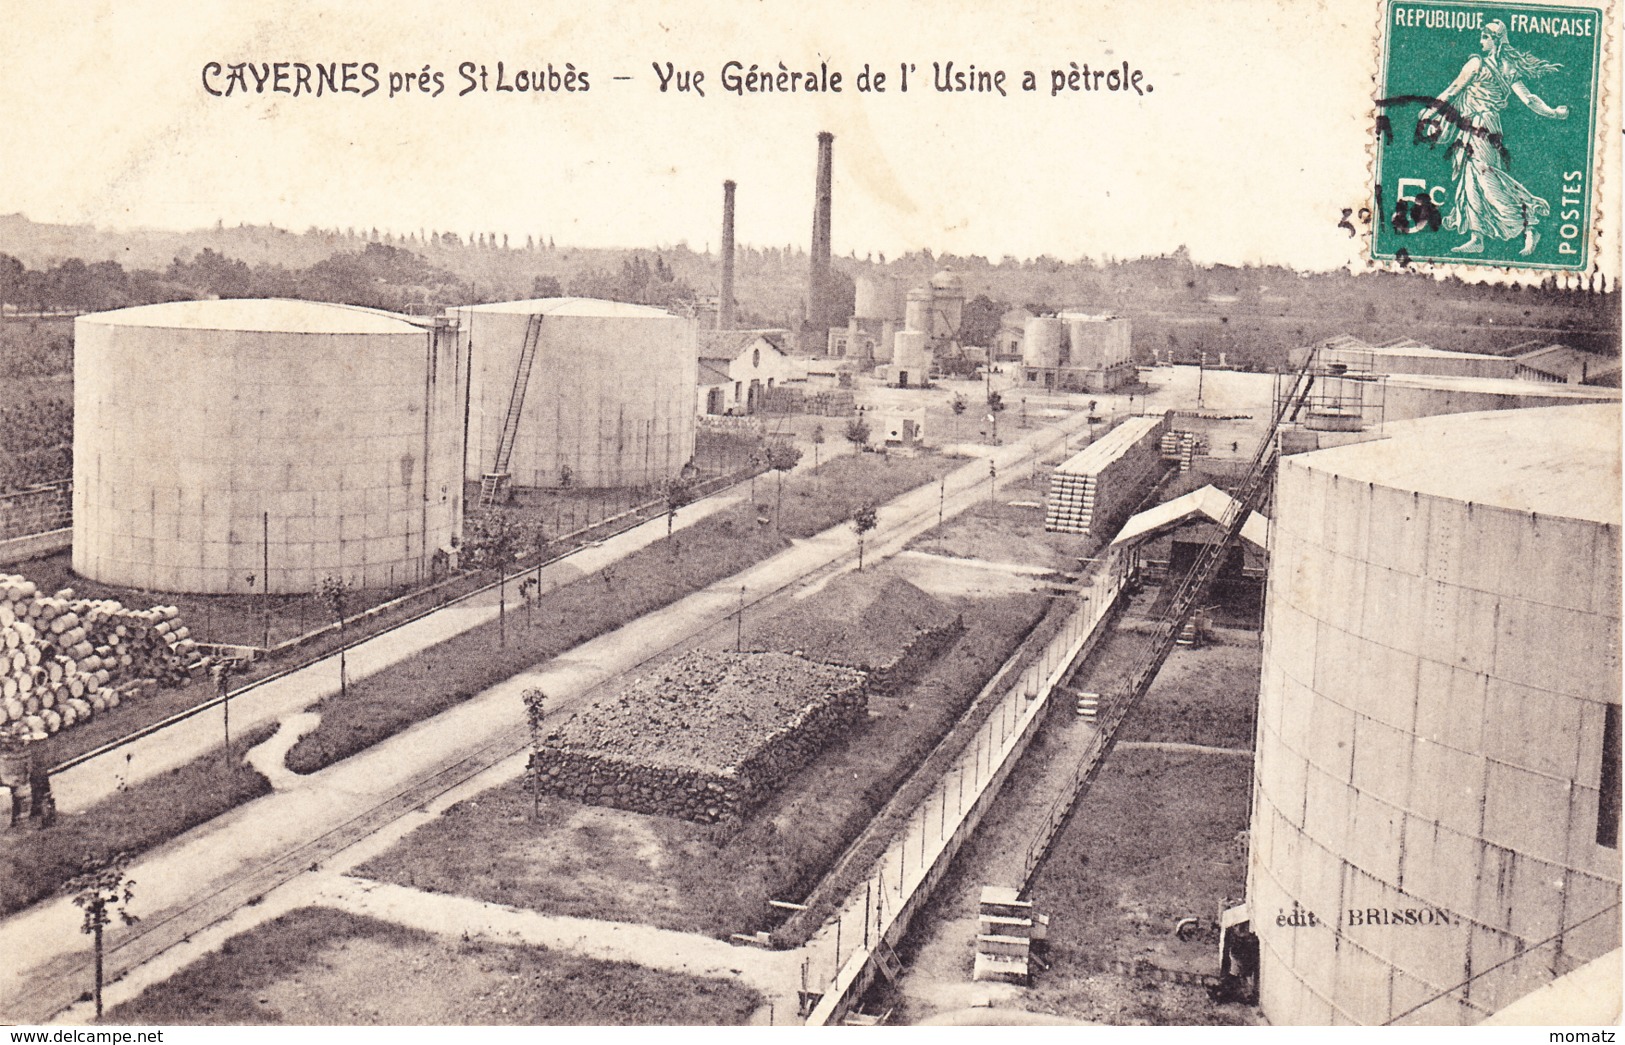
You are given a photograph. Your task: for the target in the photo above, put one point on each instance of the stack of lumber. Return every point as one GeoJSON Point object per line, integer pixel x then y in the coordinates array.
{"type": "Point", "coordinates": [1094, 490]}
{"type": "Point", "coordinates": [64, 660]}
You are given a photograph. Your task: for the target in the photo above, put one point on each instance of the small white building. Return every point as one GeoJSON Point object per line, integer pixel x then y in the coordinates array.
{"type": "Point", "coordinates": [902, 428]}
{"type": "Point", "coordinates": [739, 367]}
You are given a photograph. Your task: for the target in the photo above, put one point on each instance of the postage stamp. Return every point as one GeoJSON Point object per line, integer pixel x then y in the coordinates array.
{"type": "Point", "coordinates": [1486, 134]}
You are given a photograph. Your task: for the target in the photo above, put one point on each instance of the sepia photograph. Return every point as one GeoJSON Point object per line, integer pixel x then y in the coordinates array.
{"type": "Point", "coordinates": [736, 514]}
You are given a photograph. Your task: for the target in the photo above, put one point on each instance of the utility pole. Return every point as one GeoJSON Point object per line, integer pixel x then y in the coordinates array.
{"type": "Point", "coordinates": [265, 575]}
{"type": "Point", "coordinates": [222, 683]}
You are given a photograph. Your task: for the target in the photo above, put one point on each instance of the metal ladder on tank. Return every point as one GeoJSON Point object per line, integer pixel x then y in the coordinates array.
{"type": "Point", "coordinates": [1192, 590]}
{"type": "Point", "coordinates": [495, 482]}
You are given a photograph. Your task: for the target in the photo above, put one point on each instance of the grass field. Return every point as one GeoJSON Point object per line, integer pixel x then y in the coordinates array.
{"type": "Point", "coordinates": [1160, 844]}
{"type": "Point", "coordinates": [718, 546]}
{"type": "Point", "coordinates": [35, 863]}
{"type": "Point", "coordinates": [999, 531]}
{"type": "Point", "coordinates": [606, 863]}
{"type": "Point", "coordinates": [1159, 836]}
{"type": "Point", "coordinates": [320, 966]}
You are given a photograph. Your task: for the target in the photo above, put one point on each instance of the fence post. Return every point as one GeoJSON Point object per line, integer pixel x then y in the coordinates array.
{"type": "Point", "coordinates": [839, 921]}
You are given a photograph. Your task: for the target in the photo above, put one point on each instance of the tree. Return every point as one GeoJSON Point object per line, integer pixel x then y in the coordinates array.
{"type": "Point", "coordinates": [535, 711]}
{"type": "Point", "coordinates": [546, 287]}
{"type": "Point", "coordinates": [102, 892]}
{"type": "Point", "coordinates": [677, 492]}
{"type": "Point", "coordinates": [995, 406]}
{"type": "Point", "coordinates": [493, 541]}
{"type": "Point", "coordinates": [857, 433]}
{"type": "Point", "coordinates": [817, 441]}
{"type": "Point", "coordinates": [529, 592]}
{"type": "Point", "coordinates": [11, 282]}
{"type": "Point", "coordinates": [781, 457]}
{"type": "Point", "coordinates": [335, 594]}
{"type": "Point", "coordinates": [864, 518]}
{"type": "Point", "coordinates": [222, 672]}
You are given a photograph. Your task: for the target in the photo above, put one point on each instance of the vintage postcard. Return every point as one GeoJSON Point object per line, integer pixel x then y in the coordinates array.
{"type": "Point", "coordinates": [749, 515]}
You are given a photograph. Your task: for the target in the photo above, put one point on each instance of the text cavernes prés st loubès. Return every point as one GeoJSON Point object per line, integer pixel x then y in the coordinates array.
{"type": "Point", "coordinates": [364, 79]}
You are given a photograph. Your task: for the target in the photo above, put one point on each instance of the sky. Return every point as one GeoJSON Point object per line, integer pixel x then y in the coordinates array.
{"type": "Point", "coordinates": [1251, 137]}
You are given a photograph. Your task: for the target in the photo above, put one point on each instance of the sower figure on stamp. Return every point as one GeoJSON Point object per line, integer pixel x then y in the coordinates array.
{"type": "Point", "coordinates": [1487, 200]}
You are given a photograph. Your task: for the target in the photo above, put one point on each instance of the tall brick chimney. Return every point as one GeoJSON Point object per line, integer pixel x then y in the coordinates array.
{"type": "Point", "coordinates": [818, 283]}
{"type": "Point", "coordinates": [725, 308]}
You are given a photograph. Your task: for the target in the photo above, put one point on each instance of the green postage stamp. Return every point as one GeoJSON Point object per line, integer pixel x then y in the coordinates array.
{"type": "Point", "coordinates": [1486, 134]}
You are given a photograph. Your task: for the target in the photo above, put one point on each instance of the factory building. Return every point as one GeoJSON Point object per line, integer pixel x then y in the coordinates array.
{"type": "Point", "coordinates": [1563, 365]}
{"type": "Point", "coordinates": [576, 391]}
{"type": "Point", "coordinates": [1012, 329]}
{"type": "Point", "coordinates": [931, 318]}
{"type": "Point", "coordinates": [1077, 351]}
{"type": "Point", "coordinates": [738, 368]}
{"type": "Point", "coordinates": [1408, 356]}
{"type": "Point", "coordinates": [877, 316]}
{"type": "Point", "coordinates": [249, 446]}
{"type": "Point", "coordinates": [1166, 539]}
{"type": "Point", "coordinates": [1436, 805]}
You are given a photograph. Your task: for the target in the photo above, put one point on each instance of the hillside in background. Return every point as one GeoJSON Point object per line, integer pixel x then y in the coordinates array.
{"type": "Point", "coordinates": [1252, 314]}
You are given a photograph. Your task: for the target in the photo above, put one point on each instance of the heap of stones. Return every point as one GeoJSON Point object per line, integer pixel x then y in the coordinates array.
{"type": "Point", "coordinates": [707, 738]}
{"type": "Point", "coordinates": [883, 626]}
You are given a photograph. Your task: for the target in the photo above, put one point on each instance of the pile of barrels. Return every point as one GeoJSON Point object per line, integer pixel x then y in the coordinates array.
{"type": "Point", "coordinates": [64, 660]}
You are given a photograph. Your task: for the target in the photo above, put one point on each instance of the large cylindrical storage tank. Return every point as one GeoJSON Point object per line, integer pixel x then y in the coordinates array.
{"type": "Point", "coordinates": [1404, 397]}
{"type": "Point", "coordinates": [879, 297]}
{"type": "Point", "coordinates": [1435, 825]}
{"type": "Point", "coordinates": [948, 306]}
{"type": "Point", "coordinates": [222, 446]}
{"type": "Point", "coordinates": [1096, 342]}
{"type": "Point", "coordinates": [1041, 342]}
{"type": "Point", "coordinates": [911, 354]}
{"type": "Point", "coordinates": [609, 400]}
{"type": "Point", "coordinates": [917, 311]}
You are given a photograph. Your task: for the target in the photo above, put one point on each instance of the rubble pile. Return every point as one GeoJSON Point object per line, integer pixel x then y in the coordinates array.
{"type": "Point", "coordinates": [64, 660]}
{"type": "Point", "coordinates": [707, 738]}
{"type": "Point", "coordinates": [885, 627]}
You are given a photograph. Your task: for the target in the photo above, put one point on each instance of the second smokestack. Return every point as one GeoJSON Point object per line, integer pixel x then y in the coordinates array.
{"type": "Point", "coordinates": [725, 308]}
{"type": "Point", "coordinates": [818, 288]}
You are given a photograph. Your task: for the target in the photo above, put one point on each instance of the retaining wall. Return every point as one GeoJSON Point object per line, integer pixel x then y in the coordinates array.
{"type": "Point", "coordinates": [36, 510]}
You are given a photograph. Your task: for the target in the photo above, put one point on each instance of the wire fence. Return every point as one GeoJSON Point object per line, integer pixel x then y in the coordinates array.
{"type": "Point", "coordinates": [876, 914]}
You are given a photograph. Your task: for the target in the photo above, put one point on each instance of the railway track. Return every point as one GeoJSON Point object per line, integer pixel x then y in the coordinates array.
{"type": "Point", "coordinates": [50, 988]}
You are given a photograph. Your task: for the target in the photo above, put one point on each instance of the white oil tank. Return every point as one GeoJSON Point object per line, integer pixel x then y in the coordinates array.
{"type": "Point", "coordinates": [608, 400]}
{"type": "Point", "coordinates": [1435, 813]}
{"type": "Point", "coordinates": [240, 446]}
{"type": "Point", "coordinates": [911, 355]}
{"type": "Point", "coordinates": [1041, 344]}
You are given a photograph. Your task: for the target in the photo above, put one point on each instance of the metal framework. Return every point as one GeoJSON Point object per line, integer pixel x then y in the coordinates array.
{"type": "Point", "coordinates": [1191, 593]}
{"type": "Point", "coordinates": [493, 482]}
